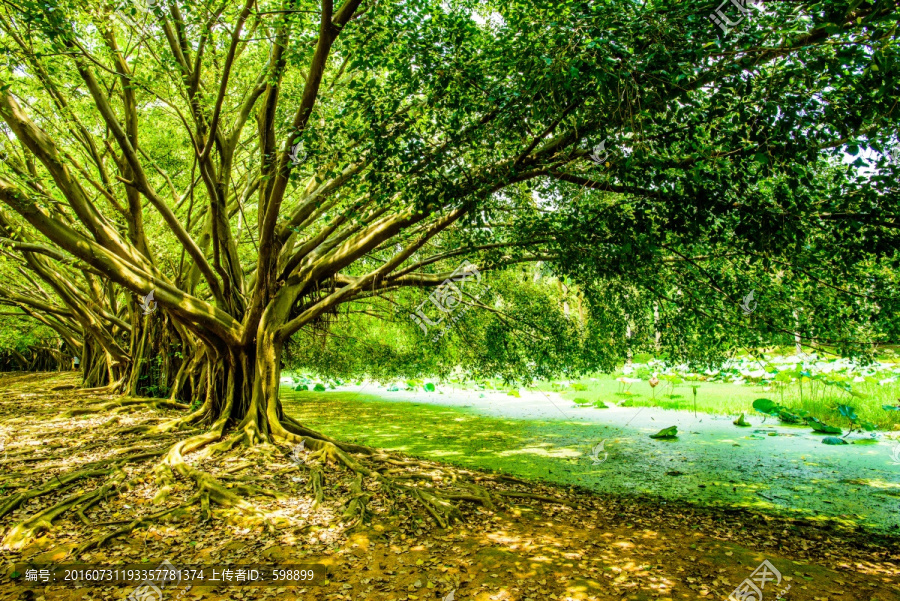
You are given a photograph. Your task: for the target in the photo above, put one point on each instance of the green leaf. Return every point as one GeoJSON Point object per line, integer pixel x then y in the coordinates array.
{"type": "Point", "coordinates": [848, 412]}
{"type": "Point", "coordinates": [670, 432]}
{"type": "Point", "coordinates": [300, 387]}
{"type": "Point", "coordinates": [429, 387]}
{"type": "Point", "coordinates": [741, 421]}
{"type": "Point", "coordinates": [766, 406]}
{"type": "Point", "coordinates": [833, 440]}
{"type": "Point", "coordinates": [319, 387]}
{"type": "Point", "coordinates": [820, 426]}
{"type": "Point", "coordinates": [788, 417]}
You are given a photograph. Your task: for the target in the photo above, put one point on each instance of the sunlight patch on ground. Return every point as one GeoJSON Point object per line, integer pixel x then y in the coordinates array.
{"type": "Point", "coordinates": [542, 451]}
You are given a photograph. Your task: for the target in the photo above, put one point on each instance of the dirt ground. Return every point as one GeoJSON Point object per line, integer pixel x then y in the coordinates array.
{"type": "Point", "coordinates": [575, 545]}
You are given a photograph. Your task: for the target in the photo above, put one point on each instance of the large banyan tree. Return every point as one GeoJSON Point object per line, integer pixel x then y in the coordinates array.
{"type": "Point", "coordinates": [255, 165]}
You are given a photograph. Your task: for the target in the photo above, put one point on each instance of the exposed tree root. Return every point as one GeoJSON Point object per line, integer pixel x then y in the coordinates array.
{"type": "Point", "coordinates": [22, 532]}
{"type": "Point", "coordinates": [317, 481]}
{"type": "Point", "coordinates": [100, 540]}
{"type": "Point", "coordinates": [525, 495]}
{"type": "Point", "coordinates": [442, 511]}
{"type": "Point", "coordinates": [356, 508]}
{"type": "Point", "coordinates": [13, 501]}
{"type": "Point", "coordinates": [108, 389]}
{"type": "Point", "coordinates": [388, 471]}
{"type": "Point", "coordinates": [435, 488]}
{"type": "Point", "coordinates": [123, 405]}
{"type": "Point", "coordinates": [293, 426]}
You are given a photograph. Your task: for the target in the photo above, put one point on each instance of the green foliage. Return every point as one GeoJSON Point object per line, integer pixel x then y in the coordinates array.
{"type": "Point", "coordinates": [834, 440]}
{"type": "Point", "coordinates": [666, 433]}
{"type": "Point", "coordinates": [766, 406]}
{"type": "Point", "coordinates": [724, 175]}
{"type": "Point", "coordinates": [849, 413]}
{"type": "Point", "coordinates": [820, 426]}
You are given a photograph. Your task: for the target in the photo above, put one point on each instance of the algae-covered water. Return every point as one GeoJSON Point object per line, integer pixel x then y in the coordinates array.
{"type": "Point", "coordinates": [766, 466]}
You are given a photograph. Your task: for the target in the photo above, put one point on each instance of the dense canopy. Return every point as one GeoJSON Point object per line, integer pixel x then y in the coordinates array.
{"type": "Point", "coordinates": [280, 172]}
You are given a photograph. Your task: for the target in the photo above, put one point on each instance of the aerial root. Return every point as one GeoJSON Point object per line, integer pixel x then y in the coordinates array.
{"type": "Point", "coordinates": [165, 481]}
{"type": "Point", "coordinates": [317, 481]}
{"type": "Point", "coordinates": [356, 508]}
{"type": "Point", "coordinates": [205, 512]}
{"type": "Point", "coordinates": [211, 490]}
